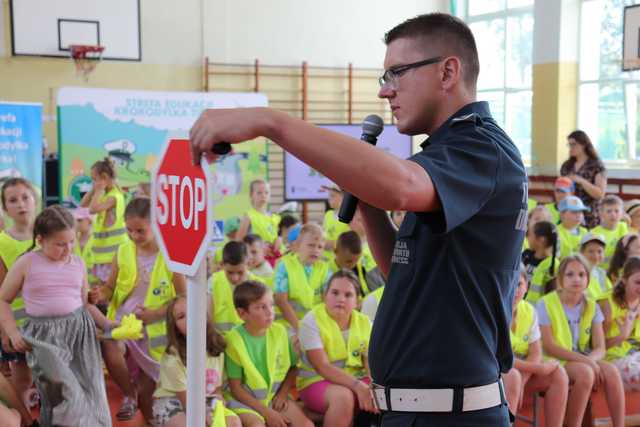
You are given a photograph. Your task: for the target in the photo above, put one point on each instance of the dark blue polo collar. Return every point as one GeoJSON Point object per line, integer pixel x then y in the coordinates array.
{"type": "Point", "coordinates": [479, 108]}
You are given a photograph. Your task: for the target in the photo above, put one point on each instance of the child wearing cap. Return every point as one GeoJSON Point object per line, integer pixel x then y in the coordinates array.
{"type": "Point", "coordinates": [592, 247]}
{"type": "Point", "coordinates": [611, 225]}
{"type": "Point", "coordinates": [562, 188]}
{"type": "Point", "coordinates": [632, 209]}
{"type": "Point", "coordinates": [570, 230]}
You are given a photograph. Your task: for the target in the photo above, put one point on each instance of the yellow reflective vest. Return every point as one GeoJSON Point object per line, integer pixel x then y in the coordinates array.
{"type": "Point", "coordinates": [333, 267]}
{"type": "Point", "coordinates": [524, 321]}
{"type": "Point", "coordinates": [278, 365]}
{"type": "Point", "coordinates": [560, 324]}
{"type": "Point", "coordinates": [348, 356]}
{"type": "Point", "coordinates": [10, 250]}
{"type": "Point", "coordinates": [619, 314]}
{"type": "Point", "coordinates": [599, 283]}
{"type": "Point", "coordinates": [224, 315]}
{"type": "Point", "coordinates": [86, 254]}
{"type": "Point", "coordinates": [107, 238]}
{"type": "Point", "coordinates": [304, 292]}
{"type": "Point", "coordinates": [264, 225]}
{"type": "Point", "coordinates": [570, 241]}
{"type": "Point", "coordinates": [160, 292]}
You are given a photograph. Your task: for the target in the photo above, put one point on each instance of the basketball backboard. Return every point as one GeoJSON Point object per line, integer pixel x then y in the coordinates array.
{"type": "Point", "coordinates": [48, 28]}
{"type": "Point", "coordinates": [631, 38]}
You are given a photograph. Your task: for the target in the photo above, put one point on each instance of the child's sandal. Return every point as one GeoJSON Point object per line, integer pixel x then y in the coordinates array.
{"type": "Point", "coordinates": [128, 409]}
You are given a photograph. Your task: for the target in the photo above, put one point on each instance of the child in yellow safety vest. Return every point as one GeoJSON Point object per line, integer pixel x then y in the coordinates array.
{"type": "Point", "coordinates": [529, 370]}
{"type": "Point", "coordinates": [258, 220]}
{"type": "Point", "coordinates": [107, 202]}
{"type": "Point", "coordinates": [84, 242]}
{"type": "Point", "coordinates": [235, 270]}
{"type": "Point", "coordinates": [258, 265]}
{"type": "Point", "coordinates": [140, 283]}
{"type": "Point", "coordinates": [592, 247]}
{"type": "Point", "coordinates": [611, 226]}
{"type": "Point", "coordinates": [261, 363]}
{"type": "Point", "coordinates": [562, 188]}
{"type": "Point", "coordinates": [300, 275]}
{"type": "Point", "coordinates": [331, 225]}
{"type": "Point", "coordinates": [627, 247]}
{"type": "Point", "coordinates": [334, 338]}
{"type": "Point", "coordinates": [621, 307]}
{"type": "Point", "coordinates": [570, 229]}
{"type": "Point", "coordinates": [571, 327]}
{"type": "Point", "coordinates": [348, 256]}
{"type": "Point", "coordinates": [170, 398]}
{"type": "Point", "coordinates": [544, 244]}
{"type": "Point", "coordinates": [19, 204]}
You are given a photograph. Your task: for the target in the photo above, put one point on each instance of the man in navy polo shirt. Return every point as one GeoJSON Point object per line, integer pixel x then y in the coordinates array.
{"type": "Point", "coordinates": [441, 335]}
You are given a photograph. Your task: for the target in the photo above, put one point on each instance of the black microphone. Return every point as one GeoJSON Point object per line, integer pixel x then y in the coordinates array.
{"type": "Point", "coordinates": [221, 148]}
{"type": "Point", "coordinates": [372, 126]}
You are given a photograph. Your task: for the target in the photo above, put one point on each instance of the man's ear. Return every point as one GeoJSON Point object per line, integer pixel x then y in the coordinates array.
{"type": "Point", "coordinates": [451, 72]}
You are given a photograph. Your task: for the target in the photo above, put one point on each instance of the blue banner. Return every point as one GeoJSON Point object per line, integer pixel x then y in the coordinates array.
{"type": "Point", "coordinates": [21, 142]}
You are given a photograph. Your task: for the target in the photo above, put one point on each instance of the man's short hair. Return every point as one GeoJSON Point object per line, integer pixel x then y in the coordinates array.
{"type": "Point", "coordinates": [446, 31]}
{"type": "Point", "coordinates": [234, 253]}
{"type": "Point", "coordinates": [248, 292]}
{"type": "Point", "coordinates": [350, 240]}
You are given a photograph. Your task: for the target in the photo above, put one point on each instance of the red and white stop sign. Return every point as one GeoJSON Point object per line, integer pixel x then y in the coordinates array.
{"type": "Point", "coordinates": [181, 208]}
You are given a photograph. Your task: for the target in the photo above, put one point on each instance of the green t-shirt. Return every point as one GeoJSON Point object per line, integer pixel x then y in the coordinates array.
{"type": "Point", "coordinates": [257, 349]}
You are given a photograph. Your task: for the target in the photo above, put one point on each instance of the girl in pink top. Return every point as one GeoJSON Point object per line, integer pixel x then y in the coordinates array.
{"type": "Point", "coordinates": [59, 334]}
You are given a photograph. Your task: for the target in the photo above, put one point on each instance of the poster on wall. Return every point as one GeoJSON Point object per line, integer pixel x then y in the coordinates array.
{"type": "Point", "coordinates": [305, 183]}
{"type": "Point", "coordinates": [21, 142]}
{"type": "Point", "coordinates": [130, 128]}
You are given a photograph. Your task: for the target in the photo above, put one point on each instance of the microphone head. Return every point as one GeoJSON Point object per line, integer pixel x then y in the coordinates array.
{"type": "Point", "coordinates": [372, 125]}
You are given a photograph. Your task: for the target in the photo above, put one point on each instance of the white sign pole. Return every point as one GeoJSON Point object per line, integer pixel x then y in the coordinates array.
{"type": "Point", "coordinates": [196, 346]}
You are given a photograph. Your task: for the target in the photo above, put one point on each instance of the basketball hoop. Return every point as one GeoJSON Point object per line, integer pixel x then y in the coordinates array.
{"type": "Point", "coordinates": [86, 58]}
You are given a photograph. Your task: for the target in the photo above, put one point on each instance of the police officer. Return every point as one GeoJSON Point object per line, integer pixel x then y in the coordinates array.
{"type": "Point", "coordinates": [441, 337]}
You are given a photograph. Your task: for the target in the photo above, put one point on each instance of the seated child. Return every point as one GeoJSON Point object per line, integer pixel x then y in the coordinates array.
{"type": "Point", "coordinates": [257, 263]}
{"type": "Point", "coordinates": [622, 325]}
{"type": "Point", "coordinates": [529, 370]}
{"type": "Point", "coordinates": [571, 327]}
{"type": "Point", "coordinates": [632, 209]}
{"type": "Point", "coordinates": [592, 248]}
{"type": "Point", "coordinates": [570, 230]}
{"type": "Point", "coordinates": [334, 371]}
{"type": "Point", "coordinates": [331, 224]}
{"type": "Point", "coordinates": [170, 397]}
{"type": "Point", "coordinates": [627, 247]}
{"type": "Point", "coordinates": [300, 276]}
{"type": "Point", "coordinates": [235, 270]}
{"type": "Point", "coordinates": [544, 241]}
{"type": "Point", "coordinates": [261, 363]}
{"type": "Point", "coordinates": [562, 188]}
{"type": "Point", "coordinates": [611, 226]}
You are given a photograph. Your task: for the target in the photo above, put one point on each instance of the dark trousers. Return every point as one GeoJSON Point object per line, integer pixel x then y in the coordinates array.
{"type": "Point", "coordinates": [492, 417]}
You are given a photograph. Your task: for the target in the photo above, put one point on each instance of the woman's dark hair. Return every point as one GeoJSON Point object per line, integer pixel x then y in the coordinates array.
{"type": "Point", "coordinates": [51, 220]}
{"type": "Point", "coordinates": [631, 267]}
{"type": "Point", "coordinates": [620, 256]}
{"type": "Point", "coordinates": [583, 139]}
{"type": "Point", "coordinates": [177, 342]}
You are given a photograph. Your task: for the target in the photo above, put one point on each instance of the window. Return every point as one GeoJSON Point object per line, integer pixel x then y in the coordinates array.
{"type": "Point", "coordinates": [504, 35]}
{"type": "Point", "coordinates": [608, 98]}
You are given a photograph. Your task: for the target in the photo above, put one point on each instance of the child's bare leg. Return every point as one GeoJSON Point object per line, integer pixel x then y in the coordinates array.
{"type": "Point", "coordinates": [614, 392]}
{"type": "Point", "coordinates": [113, 356]}
{"type": "Point", "coordinates": [582, 377]}
{"type": "Point", "coordinates": [296, 415]}
{"type": "Point", "coordinates": [512, 385]}
{"type": "Point", "coordinates": [146, 387]}
{"type": "Point", "coordinates": [233, 421]}
{"type": "Point", "coordinates": [556, 388]}
{"type": "Point", "coordinates": [21, 378]}
{"type": "Point", "coordinates": [251, 420]}
{"type": "Point", "coordinates": [178, 420]}
{"type": "Point", "coordinates": [341, 404]}
{"type": "Point", "coordinates": [9, 417]}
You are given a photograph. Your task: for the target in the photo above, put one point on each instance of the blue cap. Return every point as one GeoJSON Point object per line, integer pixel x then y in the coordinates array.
{"type": "Point", "coordinates": [573, 204]}
{"type": "Point", "coordinates": [294, 233]}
